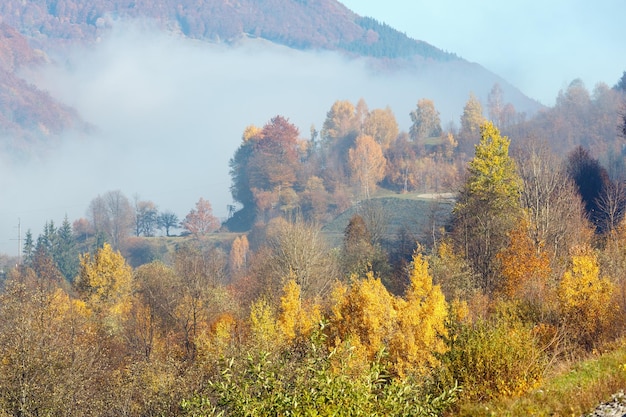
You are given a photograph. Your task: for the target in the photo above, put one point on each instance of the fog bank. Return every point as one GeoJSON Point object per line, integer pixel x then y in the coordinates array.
{"type": "Point", "coordinates": [168, 113]}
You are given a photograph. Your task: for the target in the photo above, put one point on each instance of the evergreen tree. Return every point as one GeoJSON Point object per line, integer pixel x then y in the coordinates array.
{"type": "Point", "coordinates": [28, 249]}
{"type": "Point", "coordinates": [488, 206]}
{"type": "Point", "coordinates": [65, 254]}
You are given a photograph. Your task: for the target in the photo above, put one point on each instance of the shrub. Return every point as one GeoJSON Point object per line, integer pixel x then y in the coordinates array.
{"type": "Point", "coordinates": [492, 358]}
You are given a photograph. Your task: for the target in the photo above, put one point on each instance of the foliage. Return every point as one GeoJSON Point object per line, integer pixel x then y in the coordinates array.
{"type": "Point", "coordinates": [105, 283]}
{"type": "Point", "coordinates": [267, 384]}
{"type": "Point", "coordinates": [584, 298]}
{"type": "Point", "coordinates": [471, 121]}
{"type": "Point", "coordinates": [426, 121]}
{"type": "Point", "coordinates": [525, 268]}
{"type": "Point", "coordinates": [367, 164]}
{"type": "Point", "coordinates": [488, 206]}
{"type": "Point", "coordinates": [422, 315]}
{"type": "Point", "coordinates": [572, 390]}
{"type": "Point", "coordinates": [409, 328]}
{"type": "Point", "coordinates": [381, 125]}
{"type": "Point", "coordinates": [490, 359]}
{"type": "Point", "coordinates": [201, 221]}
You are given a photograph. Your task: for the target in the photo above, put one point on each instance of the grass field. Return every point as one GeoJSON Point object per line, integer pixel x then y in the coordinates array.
{"type": "Point", "coordinates": [414, 214]}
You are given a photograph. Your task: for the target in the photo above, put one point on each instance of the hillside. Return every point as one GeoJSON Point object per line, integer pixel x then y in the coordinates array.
{"type": "Point", "coordinates": [301, 24]}
{"type": "Point", "coordinates": [26, 113]}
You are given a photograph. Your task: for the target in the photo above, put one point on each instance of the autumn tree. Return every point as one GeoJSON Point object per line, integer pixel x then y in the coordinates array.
{"type": "Point", "coordinates": [488, 205]}
{"type": "Point", "coordinates": [365, 315]}
{"type": "Point", "coordinates": [525, 268]}
{"type": "Point", "coordinates": [381, 125]}
{"type": "Point", "coordinates": [584, 298]}
{"type": "Point", "coordinates": [341, 121]}
{"type": "Point", "coordinates": [495, 105]}
{"type": "Point", "coordinates": [297, 251]}
{"type": "Point", "coordinates": [201, 221]}
{"type": "Point", "coordinates": [275, 157]}
{"type": "Point", "coordinates": [201, 273]}
{"type": "Point", "coordinates": [105, 283]}
{"type": "Point", "coordinates": [156, 285]}
{"type": "Point", "coordinates": [264, 169]}
{"type": "Point", "coordinates": [315, 199]}
{"type": "Point", "coordinates": [422, 315]}
{"type": "Point", "coordinates": [340, 129]}
{"type": "Point", "coordinates": [471, 121]}
{"type": "Point", "coordinates": [359, 254]}
{"type": "Point", "coordinates": [298, 317]}
{"type": "Point", "coordinates": [402, 169]}
{"type": "Point", "coordinates": [238, 256]}
{"type": "Point", "coordinates": [425, 120]}
{"type": "Point", "coordinates": [452, 272]}
{"type": "Point", "coordinates": [367, 164]}
{"type": "Point", "coordinates": [51, 362]}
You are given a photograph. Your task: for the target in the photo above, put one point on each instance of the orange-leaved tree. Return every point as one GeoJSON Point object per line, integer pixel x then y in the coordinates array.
{"type": "Point", "coordinates": [525, 267]}
{"type": "Point", "coordinates": [201, 221]}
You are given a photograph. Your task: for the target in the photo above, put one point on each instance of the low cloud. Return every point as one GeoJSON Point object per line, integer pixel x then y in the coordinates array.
{"type": "Point", "coordinates": [169, 112]}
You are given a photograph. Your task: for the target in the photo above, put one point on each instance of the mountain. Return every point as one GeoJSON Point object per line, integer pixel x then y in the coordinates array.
{"type": "Point", "coordinates": [302, 24]}
{"type": "Point", "coordinates": [26, 113]}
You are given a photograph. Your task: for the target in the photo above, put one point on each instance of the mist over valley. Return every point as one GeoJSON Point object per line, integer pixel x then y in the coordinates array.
{"type": "Point", "coordinates": [166, 113]}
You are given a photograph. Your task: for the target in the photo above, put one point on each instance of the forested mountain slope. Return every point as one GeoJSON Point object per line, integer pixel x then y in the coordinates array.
{"type": "Point", "coordinates": [325, 24]}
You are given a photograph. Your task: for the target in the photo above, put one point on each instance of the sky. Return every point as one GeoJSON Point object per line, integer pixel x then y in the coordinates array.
{"type": "Point", "coordinates": [537, 45]}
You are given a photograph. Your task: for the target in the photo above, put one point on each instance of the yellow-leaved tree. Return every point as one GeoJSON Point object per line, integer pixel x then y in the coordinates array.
{"type": "Point", "coordinates": [367, 164]}
{"type": "Point", "coordinates": [105, 283]}
{"type": "Point", "coordinates": [422, 315]}
{"type": "Point", "coordinates": [488, 206]}
{"type": "Point", "coordinates": [264, 330]}
{"type": "Point", "coordinates": [584, 298]}
{"type": "Point", "coordinates": [295, 319]}
{"type": "Point", "coordinates": [365, 315]}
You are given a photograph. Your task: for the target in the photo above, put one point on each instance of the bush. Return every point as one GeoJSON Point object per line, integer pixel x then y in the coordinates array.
{"type": "Point", "coordinates": [492, 358]}
{"type": "Point", "coordinates": [313, 382]}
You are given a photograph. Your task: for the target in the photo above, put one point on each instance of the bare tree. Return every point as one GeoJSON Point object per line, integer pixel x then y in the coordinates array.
{"type": "Point", "coordinates": [112, 215]}
{"type": "Point", "coordinates": [297, 250]}
{"type": "Point", "coordinates": [550, 198]}
{"type": "Point", "coordinates": [612, 204]}
{"type": "Point", "coordinates": [167, 220]}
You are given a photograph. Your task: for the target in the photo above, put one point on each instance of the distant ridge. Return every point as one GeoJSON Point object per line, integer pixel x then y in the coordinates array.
{"type": "Point", "coordinates": [301, 24]}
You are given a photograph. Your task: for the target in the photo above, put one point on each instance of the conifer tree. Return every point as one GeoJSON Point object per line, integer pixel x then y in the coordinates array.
{"type": "Point", "coordinates": [488, 206]}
